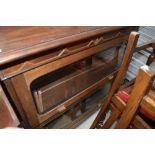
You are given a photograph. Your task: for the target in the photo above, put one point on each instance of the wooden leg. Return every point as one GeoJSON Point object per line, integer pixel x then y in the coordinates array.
{"type": "Point", "coordinates": [72, 112]}
{"type": "Point", "coordinates": [83, 106]}
{"type": "Point", "coordinates": [115, 113]}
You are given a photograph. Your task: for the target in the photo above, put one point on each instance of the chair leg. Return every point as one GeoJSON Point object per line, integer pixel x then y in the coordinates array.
{"type": "Point", "coordinates": [143, 82]}
{"type": "Point", "coordinates": [115, 113]}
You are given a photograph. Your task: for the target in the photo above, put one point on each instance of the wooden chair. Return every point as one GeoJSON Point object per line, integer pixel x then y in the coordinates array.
{"type": "Point", "coordinates": [131, 105]}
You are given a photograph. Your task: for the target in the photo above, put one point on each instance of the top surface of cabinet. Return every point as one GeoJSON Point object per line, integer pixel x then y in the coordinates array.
{"type": "Point", "coordinates": [20, 42]}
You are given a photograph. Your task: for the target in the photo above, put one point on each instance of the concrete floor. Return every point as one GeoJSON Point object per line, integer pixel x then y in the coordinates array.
{"type": "Point", "coordinates": [87, 123]}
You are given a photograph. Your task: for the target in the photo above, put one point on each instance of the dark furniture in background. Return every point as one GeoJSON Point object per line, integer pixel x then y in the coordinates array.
{"type": "Point", "coordinates": [48, 71]}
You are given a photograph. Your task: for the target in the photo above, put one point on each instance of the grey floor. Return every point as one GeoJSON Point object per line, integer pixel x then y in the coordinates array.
{"type": "Point", "coordinates": [87, 123]}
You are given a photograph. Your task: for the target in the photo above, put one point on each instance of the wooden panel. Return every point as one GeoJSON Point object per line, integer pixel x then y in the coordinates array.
{"type": "Point", "coordinates": [8, 117]}
{"type": "Point", "coordinates": [21, 42]}
{"type": "Point", "coordinates": [30, 110]}
{"type": "Point", "coordinates": [55, 93]}
{"type": "Point", "coordinates": [19, 37]}
{"type": "Point", "coordinates": [55, 54]}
